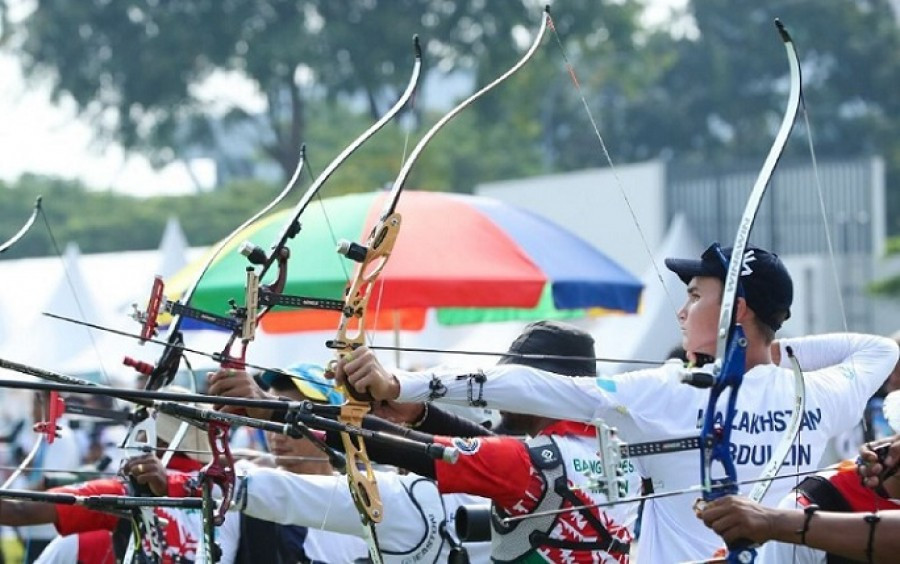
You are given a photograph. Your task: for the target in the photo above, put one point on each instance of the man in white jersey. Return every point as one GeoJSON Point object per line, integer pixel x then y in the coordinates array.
{"type": "Point", "coordinates": [841, 372]}
{"type": "Point", "coordinates": [305, 493]}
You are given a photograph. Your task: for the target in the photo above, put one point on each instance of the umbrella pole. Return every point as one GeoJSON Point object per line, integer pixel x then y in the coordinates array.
{"type": "Point", "coordinates": [396, 317]}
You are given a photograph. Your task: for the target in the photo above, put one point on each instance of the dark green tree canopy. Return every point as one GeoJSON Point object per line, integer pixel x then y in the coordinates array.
{"type": "Point", "coordinates": [707, 88]}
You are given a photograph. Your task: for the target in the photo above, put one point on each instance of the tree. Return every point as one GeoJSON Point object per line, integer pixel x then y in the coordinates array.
{"type": "Point", "coordinates": [133, 66]}
{"type": "Point", "coordinates": [721, 96]}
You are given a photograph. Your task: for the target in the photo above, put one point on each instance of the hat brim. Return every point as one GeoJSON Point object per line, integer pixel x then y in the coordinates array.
{"type": "Point", "coordinates": [309, 391]}
{"type": "Point", "coordinates": [686, 269]}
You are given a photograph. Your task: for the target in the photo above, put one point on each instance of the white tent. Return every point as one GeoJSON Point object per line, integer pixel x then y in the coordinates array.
{"type": "Point", "coordinates": [173, 249]}
{"type": "Point", "coordinates": [45, 342]}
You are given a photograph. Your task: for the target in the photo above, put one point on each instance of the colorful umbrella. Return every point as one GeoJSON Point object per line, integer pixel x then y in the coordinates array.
{"type": "Point", "coordinates": [453, 251]}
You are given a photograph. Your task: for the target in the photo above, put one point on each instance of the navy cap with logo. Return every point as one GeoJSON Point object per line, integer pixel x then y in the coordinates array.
{"type": "Point", "coordinates": [767, 285]}
{"type": "Point", "coordinates": [556, 339]}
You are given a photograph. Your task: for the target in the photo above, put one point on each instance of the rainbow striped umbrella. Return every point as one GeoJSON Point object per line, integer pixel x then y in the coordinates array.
{"type": "Point", "coordinates": [457, 252]}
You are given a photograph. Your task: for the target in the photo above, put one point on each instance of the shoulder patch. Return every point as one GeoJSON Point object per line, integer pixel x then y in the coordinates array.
{"type": "Point", "coordinates": [606, 384]}
{"type": "Point", "coordinates": [848, 372]}
{"type": "Point", "coordinates": [467, 446]}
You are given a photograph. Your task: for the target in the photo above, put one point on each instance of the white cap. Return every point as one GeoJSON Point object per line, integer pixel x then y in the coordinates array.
{"type": "Point", "coordinates": [195, 443]}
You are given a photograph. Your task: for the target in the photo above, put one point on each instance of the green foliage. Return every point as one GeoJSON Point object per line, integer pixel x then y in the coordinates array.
{"type": "Point", "coordinates": [722, 96]}
{"type": "Point", "coordinates": [106, 222]}
{"type": "Point", "coordinates": [889, 287]}
{"type": "Point", "coordinates": [892, 246]}
{"type": "Point", "coordinates": [138, 62]}
{"type": "Point", "coordinates": [326, 69]}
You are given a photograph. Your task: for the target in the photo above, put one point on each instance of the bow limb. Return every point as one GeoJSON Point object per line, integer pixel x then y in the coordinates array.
{"type": "Point", "coordinates": [47, 433]}
{"type": "Point", "coordinates": [793, 431]}
{"type": "Point", "coordinates": [730, 362]}
{"type": "Point", "coordinates": [24, 464]}
{"type": "Point", "coordinates": [292, 227]}
{"type": "Point", "coordinates": [145, 522]}
{"type": "Point", "coordinates": [163, 372]}
{"type": "Point", "coordinates": [6, 245]}
{"type": "Point", "coordinates": [279, 252]}
{"type": "Point", "coordinates": [733, 273]}
{"type": "Point", "coordinates": [373, 256]}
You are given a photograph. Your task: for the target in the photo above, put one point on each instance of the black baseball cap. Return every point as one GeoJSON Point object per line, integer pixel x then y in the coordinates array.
{"type": "Point", "coordinates": [557, 339]}
{"type": "Point", "coordinates": [766, 283]}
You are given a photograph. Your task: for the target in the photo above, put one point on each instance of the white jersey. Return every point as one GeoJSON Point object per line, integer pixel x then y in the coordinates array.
{"type": "Point", "coordinates": [409, 532]}
{"type": "Point", "coordinates": [841, 372]}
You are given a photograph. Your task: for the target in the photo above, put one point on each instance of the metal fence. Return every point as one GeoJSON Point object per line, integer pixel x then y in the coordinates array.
{"type": "Point", "coordinates": [790, 220]}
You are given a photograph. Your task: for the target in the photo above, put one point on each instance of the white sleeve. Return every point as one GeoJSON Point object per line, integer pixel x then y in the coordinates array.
{"type": "Point", "coordinates": [324, 502]}
{"type": "Point", "coordinates": [843, 371]}
{"type": "Point", "coordinates": [507, 387]}
{"type": "Point", "coordinates": [823, 351]}
{"type": "Point", "coordinates": [522, 389]}
{"type": "Point", "coordinates": [61, 550]}
{"type": "Point", "coordinates": [319, 502]}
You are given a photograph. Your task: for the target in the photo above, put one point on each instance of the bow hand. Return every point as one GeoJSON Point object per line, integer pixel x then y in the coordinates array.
{"type": "Point", "coordinates": [148, 471]}
{"type": "Point", "coordinates": [231, 383]}
{"type": "Point", "coordinates": [361, 372]}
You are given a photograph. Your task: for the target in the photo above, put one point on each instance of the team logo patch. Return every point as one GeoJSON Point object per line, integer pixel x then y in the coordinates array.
{"type": "Point", "coordinates": [606, 384]}
{"type": "Point", "coordinates": [466, 446]}
{"type": "Point", "coordinates": [749, 256]}
{"type": "Point", "coordinates": [848, 372]}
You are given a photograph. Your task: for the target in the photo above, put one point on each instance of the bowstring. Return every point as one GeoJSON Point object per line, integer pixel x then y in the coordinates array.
{"type": "Point", "coordinates": [829, 242]}
{"type": "Point", "coordinates": [370, 336]}
{"type": "Point", "coordinates": [78, 303]}
{"type": "Point", "coordinates": [570, 69]}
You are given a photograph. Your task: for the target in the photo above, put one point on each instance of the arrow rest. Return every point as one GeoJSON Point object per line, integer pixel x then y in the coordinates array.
{"type": "Point", "coordinates": [56, 408]}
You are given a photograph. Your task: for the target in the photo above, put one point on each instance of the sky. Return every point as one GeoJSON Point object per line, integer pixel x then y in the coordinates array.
{"type": "Point", "coordinates": [44, 137]}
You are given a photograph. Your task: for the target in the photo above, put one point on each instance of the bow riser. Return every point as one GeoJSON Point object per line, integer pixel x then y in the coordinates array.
{"type": "Point", "coordinates": [715, 443]}
{"type": "Point", "coordinates": [351, 331]}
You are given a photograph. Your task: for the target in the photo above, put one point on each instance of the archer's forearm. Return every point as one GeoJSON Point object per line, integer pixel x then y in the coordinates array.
{"type": "Point", "coordinates": [843, 534]}
{"type": "Point", "coordinates": [18, 513]}
{"type": "Point", "coordinates": [417, 463]}
{"type": "Point", "coordinates": [440, 422]}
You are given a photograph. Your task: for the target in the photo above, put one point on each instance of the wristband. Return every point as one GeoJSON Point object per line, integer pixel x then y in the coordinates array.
{"type": "Point", "coordinates": [808, 511]}
{"type": "Point", "coordinates": [872, 519]}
